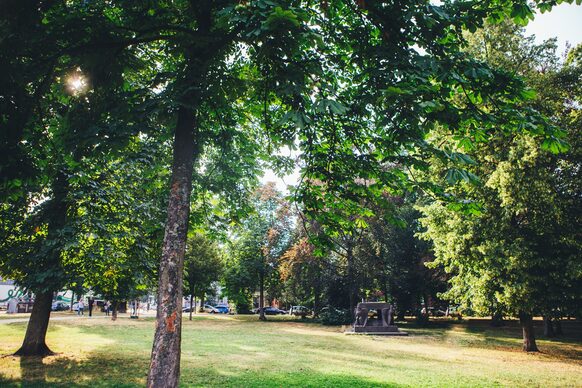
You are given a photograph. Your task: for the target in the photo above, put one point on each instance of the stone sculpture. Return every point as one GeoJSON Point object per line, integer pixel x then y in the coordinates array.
{"type": "Point", "coordinates": [383, 323]}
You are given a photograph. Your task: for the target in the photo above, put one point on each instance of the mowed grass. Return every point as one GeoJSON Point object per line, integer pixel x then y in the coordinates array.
{"type": "Point", "coordinates": [229, 351]}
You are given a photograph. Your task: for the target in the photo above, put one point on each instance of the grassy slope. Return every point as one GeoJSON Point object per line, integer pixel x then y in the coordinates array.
{"type": "Point", "coordinates": [241, 352]}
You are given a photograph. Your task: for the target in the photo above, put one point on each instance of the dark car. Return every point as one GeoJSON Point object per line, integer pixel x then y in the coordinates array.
{"type": "Point", "coordinates": [270, 311]}
{"type": "Point", "coordinates": [60, 306]}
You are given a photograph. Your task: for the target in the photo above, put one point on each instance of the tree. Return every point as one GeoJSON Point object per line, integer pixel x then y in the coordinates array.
{"type": "Point", "coordinates": [56, 119]}
{"type": "Point", "coordinates": [395, 258]}
{"type": "Point", "coordinates": [302, 273]}
{"type": "Point", "coordinates": [202, 266]}
{"type": "Point", "coordinates": [306, 65]}
{"type": "Point", "coordinates": [260, 241]}
{"type": "Point", "coordinates": [517, 254]}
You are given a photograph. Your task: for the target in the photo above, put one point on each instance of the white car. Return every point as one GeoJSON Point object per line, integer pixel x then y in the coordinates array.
{"type": "Point", "coordinates": [300, 311]}
{"type": "Point", "coordinates": [210, 309]}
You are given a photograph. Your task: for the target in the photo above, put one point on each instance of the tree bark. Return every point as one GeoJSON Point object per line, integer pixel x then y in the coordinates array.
{"type": "Point", "coordinates": [316, 301]}
{"type": "Point", "coordinates": [192, 307]}
{"type": "Point", "coordinates": [34, 343]}
{"type": "Point", "coordinates": [114, 311]}
{"type": "Point", "coordinates": [262, 298]}
{"type": "Point", "coordinates": [165, 358]}
{"type": "Point", "coordinates": [34, 340]}
{"type": "Point", "coordinates": [548, 327]}
{"type": "Point", "coordinates": [529, 339]}
{"type": "Point", "coordinates": [201, 308]}
{"type": "Point", "coordinates": [351, 282]}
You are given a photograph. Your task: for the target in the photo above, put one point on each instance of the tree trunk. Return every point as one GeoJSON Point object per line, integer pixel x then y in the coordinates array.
{"type": "Point", "coordinates": [192, 307]}
{"type": "Point", "coordinates": [114, 311]}
{"type": "Point", "coordinates": [201, 308]}
{"type": "Point", "coordinates": [34, 343]}
{"type": "Point", "coordinates": [351, 283]}
{"type": "Point", "coordinates": [529, 339]}
{"type": "Point", "coordinates": [262, 298]}
{"type": "Point", "coordinates": [72, 299]}
{"type": "Point", "coordinates": [34, 340]}
{"type": "Point", "coordinates": [548, 327]}
{"type": "Point", "coordinates": [559, 330]}
{"type": "Point", "coordinates": [165, 359]}
{"type": "Point", "coordinates": [316, 301]}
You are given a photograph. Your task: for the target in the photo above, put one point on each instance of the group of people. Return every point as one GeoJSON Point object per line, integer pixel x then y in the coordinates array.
{"type": "Point", "coordinates": [91, 304]}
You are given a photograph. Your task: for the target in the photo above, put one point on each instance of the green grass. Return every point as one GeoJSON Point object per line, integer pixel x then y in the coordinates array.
{"type": "Point", "coordinates": [230, 351]}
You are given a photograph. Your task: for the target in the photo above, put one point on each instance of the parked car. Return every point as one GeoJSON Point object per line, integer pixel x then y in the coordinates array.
{"type": "Point", "coordinates": [210, 309]}
{"type": "Point", "coordinates": [299, 311]}
{"type": "Point", "coordinates": [436, 312]}
{"type": "Point", "coordinates": [60, 306]}
{"type": "Point", "coordinates": [270, 311]}
{"type": "Point", "coordinates": [222, 309]}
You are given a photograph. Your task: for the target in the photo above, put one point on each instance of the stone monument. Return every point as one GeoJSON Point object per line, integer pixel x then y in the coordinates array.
{"type": "Point", "coordinates": [381, 322]}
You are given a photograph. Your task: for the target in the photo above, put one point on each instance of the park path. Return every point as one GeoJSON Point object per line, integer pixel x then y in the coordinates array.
{"type": "Point", "coordinates": [69, 317]}
{"type": "Point", "coordinates": [19, 320]}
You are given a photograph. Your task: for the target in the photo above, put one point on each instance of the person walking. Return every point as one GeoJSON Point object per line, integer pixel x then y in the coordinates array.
{"type": "Point", "coordinates": [12, 306]}
{"type": "Point", "coordinates": [106, 308]}
{"type": "Point", "coordinates": [80, 307]}
{"type": "Point", "coordinates": [91, 302]}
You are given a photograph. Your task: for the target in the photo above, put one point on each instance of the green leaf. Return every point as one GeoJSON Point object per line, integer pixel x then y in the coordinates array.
{"type": "Point", "coordinates": [555, 146]}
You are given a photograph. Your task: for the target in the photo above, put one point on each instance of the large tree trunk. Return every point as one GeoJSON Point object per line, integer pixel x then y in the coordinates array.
{"type": "Point", "coordinates": [192, 307]}
{"type": "Point", "coordinates": [548, 327]}
{"type": "Point", "coordinates": [529, 339]}
{"type": "Point", "coordinates": [262, 298]}
{"type": "Point", "coordinates": [34, 339]}
{"type": "Point", "coordinates": [34, 343]}
{"type": "Point", "coordinates": [165, 359]}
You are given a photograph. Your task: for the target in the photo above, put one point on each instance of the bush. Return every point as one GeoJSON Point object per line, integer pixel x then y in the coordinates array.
{"type": "Point", "coordinates": [331, 316]}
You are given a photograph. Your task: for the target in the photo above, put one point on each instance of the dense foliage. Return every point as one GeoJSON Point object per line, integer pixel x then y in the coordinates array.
{"type": "Point", "coordinates": [379, 98]}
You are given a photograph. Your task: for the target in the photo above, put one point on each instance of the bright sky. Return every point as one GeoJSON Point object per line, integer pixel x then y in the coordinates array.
{"type": "Point", "coordinates": [563, 22]}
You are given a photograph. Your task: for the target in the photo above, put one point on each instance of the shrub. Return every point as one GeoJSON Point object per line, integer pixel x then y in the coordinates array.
{"type": "Point", "coordinates": [332, 316]}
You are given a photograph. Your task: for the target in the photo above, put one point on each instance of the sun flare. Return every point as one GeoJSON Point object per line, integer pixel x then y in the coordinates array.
{"type": "Point", "coordinates": [77, 83]}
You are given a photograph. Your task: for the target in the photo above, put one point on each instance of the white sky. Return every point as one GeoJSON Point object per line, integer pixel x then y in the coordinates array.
{"type": "Point", "coordinates": [563, 22]}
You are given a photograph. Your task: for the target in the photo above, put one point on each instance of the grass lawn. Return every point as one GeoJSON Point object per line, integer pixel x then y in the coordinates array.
{"type": "Point", "coordinates": [229, 351]}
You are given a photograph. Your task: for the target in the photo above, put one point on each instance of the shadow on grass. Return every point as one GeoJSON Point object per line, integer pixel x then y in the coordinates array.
{"type": "Point", "coordinates": [65, 372]}
{"type": "Point", "coordinates": [124, 361]}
